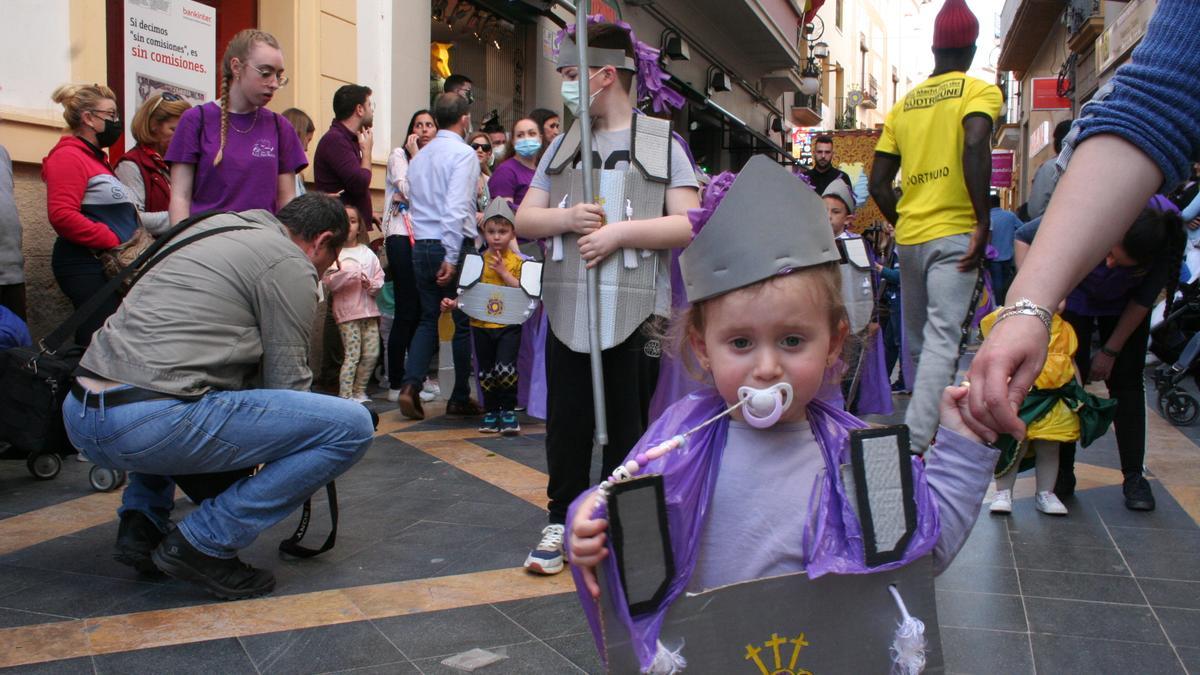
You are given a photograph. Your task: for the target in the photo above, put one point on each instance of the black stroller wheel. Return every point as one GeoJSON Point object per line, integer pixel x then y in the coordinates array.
{"type": "Point", "coordinates": [44, 465]}
{"type": "Point", "coordinates": [1182, 409]}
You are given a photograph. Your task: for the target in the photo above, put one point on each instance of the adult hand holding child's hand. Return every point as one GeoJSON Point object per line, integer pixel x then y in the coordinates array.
{"type": "Point", "coordinates": [586, 542]}
{"type": "Point", "coordinates": [956, 416]}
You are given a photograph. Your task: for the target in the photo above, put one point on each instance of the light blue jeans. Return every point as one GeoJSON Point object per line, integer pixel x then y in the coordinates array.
{"type": "Point", "coordinates": [305, 440]}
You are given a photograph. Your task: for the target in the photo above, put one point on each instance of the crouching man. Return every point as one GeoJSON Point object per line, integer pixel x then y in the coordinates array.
{"type": "Point", "coordinates": [204, 369]}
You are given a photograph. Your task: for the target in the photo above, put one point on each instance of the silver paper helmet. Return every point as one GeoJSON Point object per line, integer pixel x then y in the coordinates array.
{"type": "Point", "coordinates": [598, 57]}
{"type": "Point", "coordinates": [838, 188]}
{"type": "Point", "coordinates": [768, 223]}
{"type": "Point", "coordinates": [499, 207]}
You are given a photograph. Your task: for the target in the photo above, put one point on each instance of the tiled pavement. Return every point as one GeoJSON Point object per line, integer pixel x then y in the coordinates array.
{"type": "Point", "coordinates": [436, 521]}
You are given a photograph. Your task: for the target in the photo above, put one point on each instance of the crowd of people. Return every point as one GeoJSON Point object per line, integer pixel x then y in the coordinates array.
{"type": "Point", "coordinates": [203, 366]}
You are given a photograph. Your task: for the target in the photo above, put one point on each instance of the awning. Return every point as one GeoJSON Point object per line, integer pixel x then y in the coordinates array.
{"type": "Point", "coordinates": [1031, 21]}
{"type": "Point", "coordinates": [731, 120]}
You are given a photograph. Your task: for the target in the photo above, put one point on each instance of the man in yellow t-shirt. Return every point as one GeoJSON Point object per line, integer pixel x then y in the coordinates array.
{"type": "Point", "coordinates": [939, 138]}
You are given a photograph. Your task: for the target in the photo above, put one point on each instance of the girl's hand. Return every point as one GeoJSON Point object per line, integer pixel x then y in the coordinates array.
{"type": "Point", "coordinates": [584, 218]}
{"type": "Point", "coordinates": [1102, 365]}
{"type": "Point", "coordinates": [586, 541]}
{"type": "Point", "coordinates": [366, 281]}
{"type": "Point", "coordinates": [449, 304]}
{"type": "Point", "coordinates": [411, 145]}
{"type": "Point", "coordinates": [956, 416]}
{"type": "Point", "coordinates": [600, 244]}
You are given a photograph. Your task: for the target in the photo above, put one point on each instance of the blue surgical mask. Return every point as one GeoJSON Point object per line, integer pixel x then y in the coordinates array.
{"type": "Point", "coordinates": [527, 147]}
{"type": "Point", "coordinates": [570, 94]}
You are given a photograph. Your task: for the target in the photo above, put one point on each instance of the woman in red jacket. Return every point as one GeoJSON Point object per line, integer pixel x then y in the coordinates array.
{"type": "Point", "coordinates": [142, 169]}
{"type": "Point", "coordinates": [88, 207]}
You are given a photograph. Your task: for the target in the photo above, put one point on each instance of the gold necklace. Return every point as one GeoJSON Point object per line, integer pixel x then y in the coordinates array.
{"type": "Point", "coordinates": [249, 128]}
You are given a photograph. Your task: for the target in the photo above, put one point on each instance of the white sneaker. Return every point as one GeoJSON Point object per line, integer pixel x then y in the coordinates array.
{"type": "Point", "coordinates": [361, 398]}
{"type": "Point", "coordinates": [427, 396]}
{"type": "Point", "coordinates": [431, 385]}
{"type": "Point", "coordinates": [393, 395]}
{"type": "Point", "coordinates": [547, 558]}
{"type": "Point", "coordinates": [1049, 504]}
{"type": "Point", "coordinates": [1002, 503]}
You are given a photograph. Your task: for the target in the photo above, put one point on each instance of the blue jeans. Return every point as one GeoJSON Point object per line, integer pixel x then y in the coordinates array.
{"type": "Point", "coordinates": [305, 440]}
{"type": "Point", "coordinates": [427, 258]}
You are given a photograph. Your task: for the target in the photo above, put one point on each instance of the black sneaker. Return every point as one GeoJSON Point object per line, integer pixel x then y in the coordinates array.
{"type": "Point", "coordinates": [226, 578]}
{"type": "Point", "coordinates": [137, 537]}
{"type": "Point", "coordinates": [1138, 496]}
{"type": "Point", "coordinates": [509, 426]}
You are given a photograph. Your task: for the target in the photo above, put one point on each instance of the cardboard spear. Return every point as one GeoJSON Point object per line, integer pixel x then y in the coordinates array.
{"type": "Point", "coordinates": [581, 9]}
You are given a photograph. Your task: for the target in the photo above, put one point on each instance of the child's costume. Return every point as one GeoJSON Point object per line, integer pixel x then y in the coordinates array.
{"type": "Point", "coordinates": [767, 224]}
{"type": "Point", "coordinates": [1057, 408]}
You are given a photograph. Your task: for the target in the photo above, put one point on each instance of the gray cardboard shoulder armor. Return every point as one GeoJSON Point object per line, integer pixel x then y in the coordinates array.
{"type": "Point", "coordinates": [634, 285]}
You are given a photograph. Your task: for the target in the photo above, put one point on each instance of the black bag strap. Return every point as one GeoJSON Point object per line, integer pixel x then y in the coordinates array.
{"type": "Point", "coordinates": [291, 545]}
{"type": "Point", "coordinates": [135, 269]}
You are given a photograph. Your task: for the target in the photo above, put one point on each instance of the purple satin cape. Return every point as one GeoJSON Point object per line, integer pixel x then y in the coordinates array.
{"type": "Point", "coordinates": [833, 537]}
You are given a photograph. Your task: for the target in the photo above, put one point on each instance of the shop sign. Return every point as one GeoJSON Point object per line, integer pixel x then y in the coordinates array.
{"type": "Point", "coordinates": [1124, 33]}
{"type": "Point", "coordinates": [170, 46]}
{"type": "Point", "coordinates": [1045, 94]}
{"type": "Point", "coordinates": [1039, 138]}
{"type": "Point", "coordinates": [1002, 168]}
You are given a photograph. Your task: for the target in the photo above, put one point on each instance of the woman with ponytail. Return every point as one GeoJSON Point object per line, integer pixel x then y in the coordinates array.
{"type": "Point", "coordinates": [1114, 300]}
{"type": "Point", "coordinates": [236, 155]}
{"type": "Point", "coordinates": [87, 206]}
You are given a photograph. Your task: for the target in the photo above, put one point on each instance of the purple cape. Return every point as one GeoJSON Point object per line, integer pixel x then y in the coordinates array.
{"type": "Point", "coordinates": [833, 537]}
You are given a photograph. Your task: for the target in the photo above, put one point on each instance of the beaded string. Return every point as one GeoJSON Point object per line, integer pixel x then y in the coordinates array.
{"type": "Point", "coordinates": [633, 467]}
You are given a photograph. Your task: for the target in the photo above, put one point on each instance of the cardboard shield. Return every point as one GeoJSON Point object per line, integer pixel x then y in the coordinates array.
{"type": "Point", "coordinates": [496, 303]}
{"type": "Point", "coordinates": [858, 293]}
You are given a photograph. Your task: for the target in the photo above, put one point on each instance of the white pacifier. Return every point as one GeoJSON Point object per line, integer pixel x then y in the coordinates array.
{"type": "Point", "coordinates": [762, 408]}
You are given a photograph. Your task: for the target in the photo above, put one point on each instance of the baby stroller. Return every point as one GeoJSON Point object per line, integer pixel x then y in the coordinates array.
{"type": "Point", "coordinates": [1176, 342]}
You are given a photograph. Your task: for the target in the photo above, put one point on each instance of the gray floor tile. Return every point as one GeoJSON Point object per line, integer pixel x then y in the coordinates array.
{"type": "Point", "coordinates": [527, 658]}
{"type": "Point", "coordinates": [80, 666]}
{"type": "Point", "coordinates": [979, 610]}
{"type": "Point", "coordinates": [579, 650]}
{"type": "Point", "coordinates": [1056, 558]}
{"type": "Point", "coordinates": [1182, 626]}
{"type": "Point", "coordinates": [1109, 503]}
{"type": "Point", "coordinates": [469, 512]}
{"type": "Point", "coordinates": [397, 668]}
{"type": "Point", "coordinates": [1064, 654]}
{"type": "Point", "coordinates": [970, 650]}
{"type": "Point", "coordinates": [315, 650]}
{"type": "Point", "coordinates": [1190, 657]}
{"type": "Point", "coordinates": [1095, 620]}
{"type": "Point", "coordinates": [1177, 566]}
{"type": "Point", "coordinates": [1070, 531]}
{"type": "Point", "coordinates": [549, 616]}
{"type": "Point", "coordinates": [1147, 540]}
{"type": "Point", "coordinates": [215, 656]}
{"type": "Point", "coordinates": [987, 548]}
{"type": "Point", "coordinates": [73, 595]}
{"type": "Point", "coordinates": [10, 618]}
{"type": "Point", "coordinates": [438, 634]}
{"type": "Point", "coordinates": [978, 579]}
{"type": "Point", "coordinates": [1078, 586]}
{"type": "Point", "coordinates": [1167, 593]}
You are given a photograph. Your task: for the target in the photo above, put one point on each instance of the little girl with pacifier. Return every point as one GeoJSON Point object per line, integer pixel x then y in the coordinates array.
{"type": "Point", "coordinates": [355, 280]}
{"type": "Point", "coordinates": [752, 466]}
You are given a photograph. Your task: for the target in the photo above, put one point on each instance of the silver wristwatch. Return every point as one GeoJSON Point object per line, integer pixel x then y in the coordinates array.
{"type": "Point", "coordinates": [1026, 307]}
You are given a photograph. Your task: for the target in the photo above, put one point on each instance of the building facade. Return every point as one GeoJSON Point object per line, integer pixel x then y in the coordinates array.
{"type": "Point", "coordinates": [739, 78]}
{"type": "Point", "coordinates": [1054, 56]}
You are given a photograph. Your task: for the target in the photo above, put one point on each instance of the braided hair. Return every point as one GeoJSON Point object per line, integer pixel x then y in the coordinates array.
{"type": "Point", "coordinates": [1158, 234]}
{"type": "Point", "coordinates": [239, 48]}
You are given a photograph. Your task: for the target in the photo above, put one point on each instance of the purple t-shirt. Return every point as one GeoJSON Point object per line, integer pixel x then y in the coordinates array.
{"type": "Point", "coordinates": [511, 180]}
{"type": "Point", "coordinates": [259, 146]}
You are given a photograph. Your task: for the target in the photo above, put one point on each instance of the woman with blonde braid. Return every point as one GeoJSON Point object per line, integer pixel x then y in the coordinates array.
{"type": "Point", "coordinates": [237, 155]}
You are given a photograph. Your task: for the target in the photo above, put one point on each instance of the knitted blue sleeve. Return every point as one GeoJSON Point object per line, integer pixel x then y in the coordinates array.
{"type": "Point", "coordinates": [1155, 100]}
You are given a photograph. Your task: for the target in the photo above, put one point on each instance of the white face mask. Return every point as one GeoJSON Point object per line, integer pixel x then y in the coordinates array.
{"type": "Point", "coordinates": [571, 97]}
{"type": "Point", "coordinates": [498, 152]}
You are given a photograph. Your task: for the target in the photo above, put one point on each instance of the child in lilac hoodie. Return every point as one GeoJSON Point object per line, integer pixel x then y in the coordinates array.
{"type": "Point", "coordinates": [353, 281]}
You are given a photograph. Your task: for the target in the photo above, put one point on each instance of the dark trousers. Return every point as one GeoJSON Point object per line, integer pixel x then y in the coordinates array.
{"type": "Point", "coordinates": [79, 287]}
{"type": "Point", "coordinates": [630, 372]}
{"type": "Point", "coordinates": [891, 339]}
{"type": "Point", "coordinates": [427, 259]}
{"type": "Point", "coordinates": [332, 352]}
{"type": "Point", "coordinates": [12, 296]}
{"type": "Point", "coordinates": [1001, 272]}
{"type": "Point", "coordinates": [1125, 385]}
{"type": "Point", "coordinates": [496, 352]}
{"type": "Point", "coordinates": [408, 306]}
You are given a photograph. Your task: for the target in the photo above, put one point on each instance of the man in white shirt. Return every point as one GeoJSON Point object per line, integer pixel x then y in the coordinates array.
{"type": "Point", "coordinates": [442, 182]}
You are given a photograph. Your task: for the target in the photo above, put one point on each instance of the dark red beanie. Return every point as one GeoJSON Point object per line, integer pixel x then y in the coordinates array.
{"type": "Point", "coordinates": [955, 26]}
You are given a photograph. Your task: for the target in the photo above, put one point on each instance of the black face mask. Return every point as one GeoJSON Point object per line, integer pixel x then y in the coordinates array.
{"type": "Point", "coordinates": [112, 131]}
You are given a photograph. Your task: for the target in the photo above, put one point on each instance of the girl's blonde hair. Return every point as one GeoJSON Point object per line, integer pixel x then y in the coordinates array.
{"type": "Point", "coordinates": [239, 48]}
{"type": "Point", "coordinates": [484, 168]}
{"type": "Point", "coordinates": [154, 112]}
{"type": "Point", "coordinates": [77, 99]}
{"type": "Point", "coordinates": [825, 278]}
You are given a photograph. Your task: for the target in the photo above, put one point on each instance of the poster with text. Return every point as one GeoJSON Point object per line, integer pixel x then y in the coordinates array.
{"type": "Point", "coordinates": [170, 47]}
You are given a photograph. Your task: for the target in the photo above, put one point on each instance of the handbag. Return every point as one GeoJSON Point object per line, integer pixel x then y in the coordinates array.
{"type": "Point", "coordinates": [35, 380]}
{"type": "Point", "coordinates": [116, 259]}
